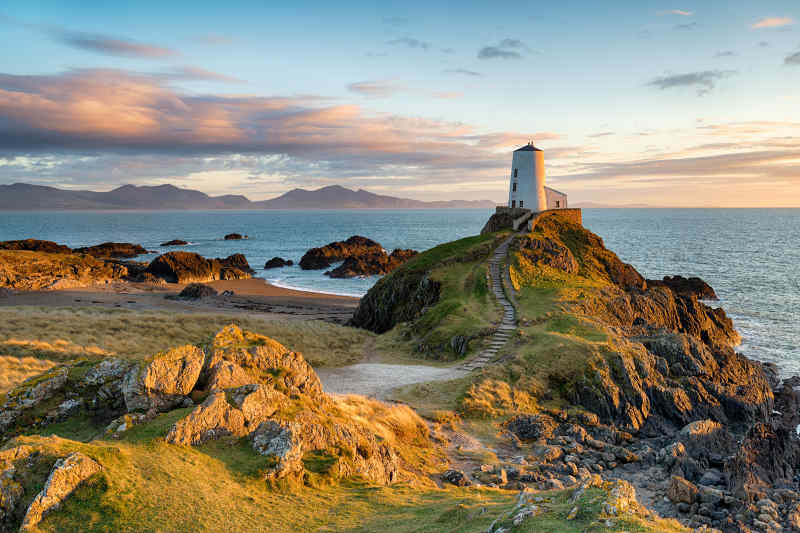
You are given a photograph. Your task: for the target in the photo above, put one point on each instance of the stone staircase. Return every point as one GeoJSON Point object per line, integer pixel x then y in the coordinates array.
{"type": "Point", "coordinates": [498, 276]}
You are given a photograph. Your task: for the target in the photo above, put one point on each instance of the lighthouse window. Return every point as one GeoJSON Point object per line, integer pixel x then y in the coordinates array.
{"type": "Point", "coordinates": [558, 203]}
{"type": "Point", "coordinates": [520, 203]}
{"type": "Point", "coordinates": [513, 204]}
{"type": "Point", "coordinates": [515, 172]}
{"type": "Point", "coordinates": [514, 187]}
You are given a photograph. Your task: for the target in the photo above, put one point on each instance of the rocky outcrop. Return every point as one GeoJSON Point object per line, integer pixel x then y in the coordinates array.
{"type": "Point", "coordinates": [355, 246]}
{"type": "Point", "coordinates": [28, 270]}
{"type": "Point", "coordinates": [543, 251]}
{"type": "Point", "coordinates": [174, 242]}
{"type": "Point", "coordinates": [36, 245]}
{"type": "Point", "coordinates": [164, 381]}
{"type": "Point", "coordinates": [278, 262]}
{"type": "Point", "coordinates": [112, 249]}
{"type": "Point", "coordinates": [67, 474]}
{"type": "Point", "coordinates": [371, 264]}
{"type": "Point", "coordinates": [235, 237]}
{"type": "Point", "coordinates": [197, 291]}
{"type": "Point", "coordinates": [189, 267]}
{"type": "Point", "coordinates": [686, 286]}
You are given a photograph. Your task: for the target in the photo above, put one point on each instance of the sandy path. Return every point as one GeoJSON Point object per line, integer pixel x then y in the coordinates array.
{"type": "Point", "coordinates": [378, 379]}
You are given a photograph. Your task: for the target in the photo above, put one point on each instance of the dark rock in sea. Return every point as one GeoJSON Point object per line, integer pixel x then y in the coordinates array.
{"type": "Point", "coordinates": [174, 242]}
{"type": "Point", "coordinates": [234, 237]}
{"type": "Point", "coordinates": [278, 262]}
{"type": "Point", "coordinates": [112, 249]}
{"type": "Point", "coordinates": [36, 245]}
{"type": "Point", "coordinates": [189, 267]}
{"type": "Point", "coordinates": [372, 264]}
{"type": "Point", "coordinates": [319, 258]}
{"type": "Point", "coordinates": [196, 291]}
{"type": "Point", "coordinates": [686, 286]}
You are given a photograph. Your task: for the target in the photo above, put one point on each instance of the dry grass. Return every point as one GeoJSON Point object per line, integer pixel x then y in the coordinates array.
{"type": "Point", "coordinates": [492, 398]}
{"type": "Point", "coordinates": [15, 370]}
{"type": "Point", "coordinates": [66, 333]}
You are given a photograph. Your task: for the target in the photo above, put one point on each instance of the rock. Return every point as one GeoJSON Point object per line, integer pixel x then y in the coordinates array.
{"type": "Point", "coordinates": [705, 437]}
{"type": "Point", "coordinates": [174, 242]}
{"type": "Point", "coordinates": [65, 477]}
{"type": "Point", "coordinates": [318, 258]}
{"type": "Point", "coordinates": [29, 270]}
{"type": "Point", "coordinates": [189, 267]}
{"type": "Point", "coordinates": [278, 262]}
{"type": "Point", "coordinates": [196, 291]}
{"type": "Point", "coordinates": [164, 381]}
{"type": "Point", "coordinates": [686, 286]}
{"type": "Point", "coordinates": [214, 418]}
{"type": "Point", "coordinates": [31, 393]}
{"type": "Point", "coordinates": [621, 499]}
{"type": "Point", "coordinates": [5, 293]}
{"type": "Point", "coordinates": [112, 249]}
{"type": "Point", "coordinates": [457, 478]}
{"type": "Point", "coordinates": [371, 264]}
{"type": "Point", "coordinates": [532, 427]}
{"type": "Point", "coordinates": [711, 477]}
{"type": "Point", "coordinates": [547, 252]}
{"type": "Point", "coordinates": [234, 237]}
{"type": "Point", "coordinates": [35, 245]}
{"type": "Point", "coordinates": [681, 490]}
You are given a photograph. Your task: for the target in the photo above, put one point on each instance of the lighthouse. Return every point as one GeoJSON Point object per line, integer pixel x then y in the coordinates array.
{"type": "Point", "coordinates": [526, 189]}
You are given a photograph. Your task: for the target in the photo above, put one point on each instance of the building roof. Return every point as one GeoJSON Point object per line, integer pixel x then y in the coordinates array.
{"type": "Point", "coordinates": [555, 191]}
{"type": "Point", "coordinates": [528, 148]}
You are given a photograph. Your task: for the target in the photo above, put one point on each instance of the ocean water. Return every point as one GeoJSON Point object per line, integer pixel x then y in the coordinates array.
{"type": "Point", "coordinates": [750, 256]}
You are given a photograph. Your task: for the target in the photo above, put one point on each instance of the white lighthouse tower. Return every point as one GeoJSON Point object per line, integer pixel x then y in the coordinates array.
{"type": "Point", "coordinates": [526, 189]}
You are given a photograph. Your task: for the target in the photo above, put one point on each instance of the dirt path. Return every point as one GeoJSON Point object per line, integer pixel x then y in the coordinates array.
{"type": "Point", "coordinates": [376, 380]}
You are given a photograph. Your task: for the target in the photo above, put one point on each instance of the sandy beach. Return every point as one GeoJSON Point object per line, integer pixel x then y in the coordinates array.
{"type": "Point", "coordinates": [249, 295]}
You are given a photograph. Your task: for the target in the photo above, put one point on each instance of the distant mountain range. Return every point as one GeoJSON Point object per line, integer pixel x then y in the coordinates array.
{"type": "Point", "coordinates": [25, 197]}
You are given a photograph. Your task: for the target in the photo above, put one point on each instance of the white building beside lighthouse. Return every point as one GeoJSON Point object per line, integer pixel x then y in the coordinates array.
{"type": "Point", "coordinates": [526, 186]}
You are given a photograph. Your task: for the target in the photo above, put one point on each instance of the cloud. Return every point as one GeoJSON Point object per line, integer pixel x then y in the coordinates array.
{"type": "Point", "coordinates": [505, 49]}
{"type": "Point", "coordinates": [374, 89]}
{"type": "Point", "coordinates": [680, 12]}
{"type": "Point", "coordinates": [395, 21]}
{"type": "Point", "coordinates": [463, 72]}
{"type": "Point", "coordinates": [763, 44]}
{"type": "Point", "coordinates": [212, 39]}
{"type": "Point", "coordinates": [685, 27]}
{"type": "Point", "coordinates": [772, 22]}
{"type": "Point", "coordinates": [792, 59]}
{"type": "Point", "coordinates": [410, 43]}
{"type": "Point", "coordinates": [108, 45]}
{"type": "Point", "coordinates": [194, 73]}
{"type": "Point", "coordinates": [704, 80]}
{"type": "Point", "coordinates": [726, 53]}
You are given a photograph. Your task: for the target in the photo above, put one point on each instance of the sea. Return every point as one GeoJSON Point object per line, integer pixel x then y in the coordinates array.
{"type": "Point", "coordinates": [750, 256]}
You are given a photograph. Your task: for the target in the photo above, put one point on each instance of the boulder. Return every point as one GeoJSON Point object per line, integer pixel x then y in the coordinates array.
{"type": "Point", "coordinates": [189, 267]}
{"type": "Point", "coordinates": [36, 245]}
{"type": "Point", "coordinates": [163, 382]}
{"type": "Point", "coordinates": [174, 242]}
{"type": "Point", "coordinates": [67, 474]}
{"type": "Point", "coordinates": [681, 490]}
{"type": "Point", "coordinates": [532, 427]}
{"type": "Point", "coordinates": [686, 286]}
{"type": "Point", "coordinates": [377, 263]}
{"type": "Point", "coordinates": [456, 477]}
{"type": "Point", "coordinates": [234, 237]}
{"type": "Point", "coordinates": [30, 394]}
{"type": "Point", "coordinates": [319, 258]}
{"type": "Point", "coordinates": [278, 262]}
{"type": "Point", "coordinates": [196, 291]}
{"type": "Point", "coordinates": [704, 438]}
{"type": "Point", "coordinates": [112, 249]}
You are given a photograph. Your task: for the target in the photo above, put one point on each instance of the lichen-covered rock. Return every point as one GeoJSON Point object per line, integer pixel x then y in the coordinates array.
{"type": "Point", "coordinates": [456, 477]}
{"type": "Point", "coordinates": [65, 477]}
{"type": "Point", "coordinates": [31, 393]}
{"type": "Point", "coordinates": [214, 418]}
{"type": "Point", "coordinates": [621, 498]}
{"type": "Point", "coordinates": [164, 381]}
{"type": "Point", "coordinates": [357, 450]}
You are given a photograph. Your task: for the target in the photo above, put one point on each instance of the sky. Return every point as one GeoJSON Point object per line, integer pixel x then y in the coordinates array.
{"type": "Point", "coordinates": [658, 103]}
